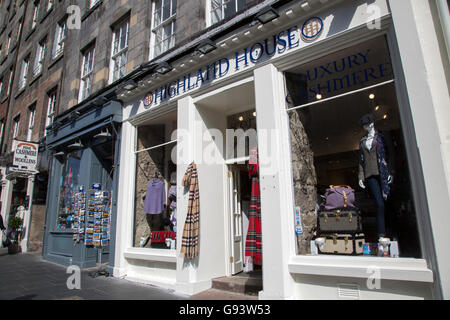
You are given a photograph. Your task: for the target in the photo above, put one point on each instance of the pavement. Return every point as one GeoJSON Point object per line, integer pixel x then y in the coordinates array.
{"type": "Point", "coordinates": [27, 276]}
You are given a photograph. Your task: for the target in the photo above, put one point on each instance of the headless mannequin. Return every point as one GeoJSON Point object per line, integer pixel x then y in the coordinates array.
{"type": "Point", "coordinates": [368, 144]}
{"type": "Point", "coordinates": [370, 128]}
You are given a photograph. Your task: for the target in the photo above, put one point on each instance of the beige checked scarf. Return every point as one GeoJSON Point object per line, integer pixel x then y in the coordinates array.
{"type": "Point", "coordinates": [189, 244]}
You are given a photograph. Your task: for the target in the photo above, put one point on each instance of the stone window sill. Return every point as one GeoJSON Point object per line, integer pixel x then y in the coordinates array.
{"type": "Point", "coordinates": [20, 92]}
{"type": "Point", "coordinates": [4, 99]}
{"type": "Point", "coordinates": [402, 269]}
{"type": "Point", "coordinates": [162, 255]}
{"type": "Point", "coordinates": [3, 60]}
{"type": "Point", "coordinates": [55, 60]}
{"type": "Point", "coordinates": [35, 78]}
{"type": "Point", "coordinates": [30, 33]}
{"type": "Point", "coordinates": [46, 14]}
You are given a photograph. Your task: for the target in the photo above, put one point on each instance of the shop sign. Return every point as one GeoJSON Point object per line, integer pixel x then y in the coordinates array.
{"type": "Point", "coordinates": [259, 51]}
{"type": "Point", "coordinates": [25, 157]}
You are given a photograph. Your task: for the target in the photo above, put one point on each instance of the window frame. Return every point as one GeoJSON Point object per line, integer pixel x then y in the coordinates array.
{"type": "Point", "coordinates": [35, 20]}
{"type": "Point", "coordinates": [51, 110]}
{"type": "Point", "coordinates": [60, 37]}
{"type": "Point", "coordinates": [171, 20]}
{"type": "Point", "coordinates": [116, 56]}
{"type": "Point", "coordinates": [40, 57]}
{"type": "Point", "coordinates": [31, 121]}
{"type": "Point", "coordinates": [23, 73]}
{"type": "Point", "coordinates": [16, 127]}
{"type": "Point", "coordinates": [86, 77]}
{"type": "Point", "coordinates": [209, 9]}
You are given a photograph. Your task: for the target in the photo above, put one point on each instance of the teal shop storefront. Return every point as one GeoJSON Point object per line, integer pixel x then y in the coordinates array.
{"type": "Point", "coordinates": [84, 144]}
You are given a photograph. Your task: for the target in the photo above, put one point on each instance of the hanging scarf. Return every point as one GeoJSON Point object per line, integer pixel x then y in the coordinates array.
{"type": "Point", "coordinates": [189, 244]}
{"type": "Point", "coordinates": [382, 163]}
{"type": "Point", "coordinates": [253, 243]}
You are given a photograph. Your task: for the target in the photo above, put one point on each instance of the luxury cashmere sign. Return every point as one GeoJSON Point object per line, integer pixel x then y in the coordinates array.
{"type": "Point", "coordinates": [25, 156]}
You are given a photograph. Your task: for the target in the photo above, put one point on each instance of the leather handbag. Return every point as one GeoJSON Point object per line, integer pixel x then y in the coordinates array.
{"type": "Point", "coordinates": [339, 197]}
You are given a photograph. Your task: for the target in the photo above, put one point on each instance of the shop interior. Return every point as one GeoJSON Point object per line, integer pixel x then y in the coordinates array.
{"type": "Point", "coordinates": [233, 108]}
{"type": "Point", "coordinates": [334, 132]}
{"type": "Point", "coordinates": [156, 178]}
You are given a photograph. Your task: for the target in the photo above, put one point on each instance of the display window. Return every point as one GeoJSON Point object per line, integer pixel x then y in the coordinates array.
{"type": "Point", "coordinates": [351, 179]}
{"type": "Point", "coordinates": [69, 183]}
{"type": "Point", "coordinates": [155, 224]}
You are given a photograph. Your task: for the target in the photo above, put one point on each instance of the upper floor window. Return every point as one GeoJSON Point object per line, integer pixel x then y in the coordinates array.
{"type": "Point", "coordinates": [2, 125]}
{"type": "Point", "coordinates": [35, 15]}
{"type": "Point", "coordinates": [39, 61]}
{"type": "Point", "coordinates": [31, 120]}
{"type": "Point", "coordinates": [9, 82]}
{"type": "Point", "coordinates": [16, 127]}
{"type": "Point", "coordinates": [223, 9]}
{"type": "Point", "coordinates": [119, 51]}
{"type": "Point", "coordinates": [1, 86]}
{"type": "Point", "coordinates": [19, 30]}
{"type": "Point", "coordinates": [49, 4]}
{"type": "Point", "coordinates": [1, 50]}
{"type": "Point", "coordinates": [163, 29]}
{"type": "Point", "coordinates": [23, 74]}
{"type": "Point", "coordinates": [9, 43]}
{"type": "Point", "coordinates": [87, 68]}
{"type": "Point", "coordinates": [60, 36]}
{"type": "Point", "coordinates": [50, 109]}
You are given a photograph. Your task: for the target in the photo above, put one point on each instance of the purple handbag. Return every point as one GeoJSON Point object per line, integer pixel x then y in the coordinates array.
{"type": "Point", "coordinates": [338, 197]}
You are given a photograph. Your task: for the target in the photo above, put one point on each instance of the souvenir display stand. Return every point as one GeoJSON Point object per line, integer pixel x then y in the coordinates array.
{"type": "Point", "coordinates": [92, 225]}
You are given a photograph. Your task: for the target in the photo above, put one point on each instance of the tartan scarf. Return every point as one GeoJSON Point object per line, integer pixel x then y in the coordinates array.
{"type": "Point", "coordinates": [253, 243]}
{"type": "Point", "coordinates": [189, 244]}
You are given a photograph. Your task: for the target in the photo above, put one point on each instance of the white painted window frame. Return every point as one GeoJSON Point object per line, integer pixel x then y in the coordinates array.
{"type": "Point", "coordinates": [223, 4]}
{"type": "Point", "coordinates": [163, 23]}
{"type": "Point", "coordinates": [39, 60]}
{"type": "Point", "coordinates": [60, 36]}
{"type": "Point", "coordinates": [16, 127]}
{"type": "Point", "coordinates": [116, 55]}
{"type": "Point", "coordinates": [31, 122]}
{"type": "Point", "coordinates": [49, 5]}
{"type": "Point", "coordinates": [87, 73]}
{"type": "Point", "coordinates": [35, 15]}
{"type": "Point", "coordinates": [23, 74]}
{"type": "Point", "coordinates": [50, 110]}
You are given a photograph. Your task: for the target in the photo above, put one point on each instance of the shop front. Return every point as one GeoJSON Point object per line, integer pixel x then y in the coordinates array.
{"type": "Point", "coordinates": [22, 179]}
{"type": "Point", "coordinates": [276, 121]}
{"type": "Point", "coordinates": [82, 188]}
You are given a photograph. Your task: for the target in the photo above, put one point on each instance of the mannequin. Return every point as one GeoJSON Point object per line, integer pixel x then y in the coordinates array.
{"type": "Point", "coordinates": [373, 169]}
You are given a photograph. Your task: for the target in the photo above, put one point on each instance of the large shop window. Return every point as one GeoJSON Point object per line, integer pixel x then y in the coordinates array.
{"type": "Point", "coordinates": [155, 224]}
{"type": "Point", "coordinates": [350, 170]}
{"type": "Point", "coordinates": [69, 183]}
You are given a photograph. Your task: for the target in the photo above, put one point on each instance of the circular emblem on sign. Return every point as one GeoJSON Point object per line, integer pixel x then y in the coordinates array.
{"type": "Point", "coordinates": [148, 100]}
{"type": "Point", "coordinates": [312, 28]}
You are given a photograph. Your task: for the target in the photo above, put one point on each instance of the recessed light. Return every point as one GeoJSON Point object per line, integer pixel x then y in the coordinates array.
{"type": "Point", "coordinates": [241, 118]}
{"type": "Point", "coordinates": [371, 96]}
{"type": "Point", "coordinates": [318, 96]}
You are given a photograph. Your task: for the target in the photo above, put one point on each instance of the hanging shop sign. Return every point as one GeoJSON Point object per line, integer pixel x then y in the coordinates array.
{"type": "Point", "coordinates": [259, 51]}
{"type": "Point", "coordinates": [25, 157]}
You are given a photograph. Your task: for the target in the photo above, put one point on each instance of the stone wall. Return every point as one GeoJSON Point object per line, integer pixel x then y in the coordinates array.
{"type": "Point", "coordinates": [303, 169]}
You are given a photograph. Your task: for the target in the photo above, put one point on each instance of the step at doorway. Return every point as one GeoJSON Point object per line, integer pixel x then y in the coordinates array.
{"type": "Point", "coordinates": [242, 283]}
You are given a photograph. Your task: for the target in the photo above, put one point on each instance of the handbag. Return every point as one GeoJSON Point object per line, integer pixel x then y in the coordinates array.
{"type": "Point", "coordinates": [338, 197]}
